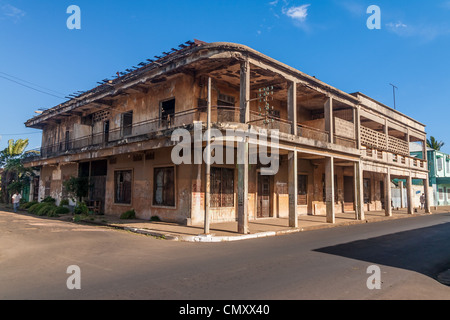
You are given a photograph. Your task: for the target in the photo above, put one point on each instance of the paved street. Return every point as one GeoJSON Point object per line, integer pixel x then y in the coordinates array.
{"type": "Point", "coordinates": [323, 264]}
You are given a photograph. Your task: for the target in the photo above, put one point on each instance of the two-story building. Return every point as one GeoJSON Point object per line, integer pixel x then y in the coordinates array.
{"type": "Point", "coordinates": [338, 152]}
{"type": "Point", "coordinates": [439, 175]}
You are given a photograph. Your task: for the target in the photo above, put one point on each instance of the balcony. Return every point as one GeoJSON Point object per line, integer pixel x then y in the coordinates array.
{"type": "Point", "coordinates": [377, 140]}
{"type": "Point", "coordinates": [154, 128]}
{"type": "Point", "coordinates": [395, 159]}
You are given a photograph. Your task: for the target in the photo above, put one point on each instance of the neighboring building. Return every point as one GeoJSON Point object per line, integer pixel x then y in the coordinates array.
{"type": "Point", "coordinates": [439, 174]}
{"type": "Point", "coordinates": [338, 151]}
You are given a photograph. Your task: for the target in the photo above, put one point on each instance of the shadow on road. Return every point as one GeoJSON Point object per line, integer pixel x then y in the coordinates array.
{"type": "Point", "coordinates": [425, 250]}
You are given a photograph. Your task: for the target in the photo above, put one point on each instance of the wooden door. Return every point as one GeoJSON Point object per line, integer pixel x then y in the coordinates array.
{"type": "Point", "coordinates": [263, 210]}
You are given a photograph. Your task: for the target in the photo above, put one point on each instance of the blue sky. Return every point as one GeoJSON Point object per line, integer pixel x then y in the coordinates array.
{"type": "Point", "coordinates": [328, 39]}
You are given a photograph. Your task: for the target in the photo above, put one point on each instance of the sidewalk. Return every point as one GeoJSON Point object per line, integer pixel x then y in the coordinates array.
{"type": "Point", "coordinates": [258, 228]}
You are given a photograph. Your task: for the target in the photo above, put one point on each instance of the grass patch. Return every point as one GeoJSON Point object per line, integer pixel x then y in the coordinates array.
{"type": "Point", "coordinates": [128, 215]}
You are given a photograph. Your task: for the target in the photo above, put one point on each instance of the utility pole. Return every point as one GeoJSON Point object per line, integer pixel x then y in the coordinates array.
{"type": "Point", "coordinates": [393, 89]}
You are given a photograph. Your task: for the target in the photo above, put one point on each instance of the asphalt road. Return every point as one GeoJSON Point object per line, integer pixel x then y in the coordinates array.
{"type": "Point", "coordinates": [324, 264]}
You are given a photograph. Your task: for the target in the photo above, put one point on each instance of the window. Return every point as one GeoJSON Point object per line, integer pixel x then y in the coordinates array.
{"type": "Point", "coordinates": [367, 190]}
{"type": "Point", "coordinates": [222, 188]}
{"type": "Point", "coordinates": [448, 193]}
{"type": "Point", "coordinates": [224, 100]}
{"type": "Point", "coordinates": [167, 111]}
{"type": "Point", "coordinates": [164, 187]}
{"type": "Point", "coordinates": [127, 124]}
{"type": "Point", "coordinates": [439, 164]}
{"type": "Point", "coordinates": [447, 170]}
{"type": "Point", "coordinates": [302, 188]}
{"type": "Point", "coordinates": [441, 194]}
{"type": "Point", "coordinates": [122, 186]}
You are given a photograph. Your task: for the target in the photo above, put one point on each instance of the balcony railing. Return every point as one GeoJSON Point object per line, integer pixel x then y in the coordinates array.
{"type": "Point", "coordinates": [393, 158]}
{"type": "Point", "coordinates": [377, 140]}
{"type": "Point", "coordinates": [150, 128]}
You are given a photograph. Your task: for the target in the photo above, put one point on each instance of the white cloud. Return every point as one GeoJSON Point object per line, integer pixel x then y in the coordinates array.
{"type": "Point", "coordinates": [396, 25]}
{"type": "Point", "coordinates": [423, 32]}
{"type": "Point", "coordinates": [10, 12]}
{"type": "Point", "coordinates": [297, 13]}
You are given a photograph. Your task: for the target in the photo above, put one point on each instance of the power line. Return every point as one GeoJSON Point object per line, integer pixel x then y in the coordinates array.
{"type": "Point", "coordinates": [36, 85]}
{"type": "Point", "coordinates": [24, 85]}
{"type": "Point", "coordinates": [18, 134]}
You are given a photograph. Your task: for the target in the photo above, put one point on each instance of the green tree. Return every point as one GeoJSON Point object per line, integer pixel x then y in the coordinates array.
{"type": "Point", "coordinates": [434, 144]}
{"type": "Point", "coordinates": [14, 175]}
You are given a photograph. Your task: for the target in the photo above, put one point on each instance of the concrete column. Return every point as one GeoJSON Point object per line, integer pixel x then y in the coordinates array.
{"type": "Point", "coordinates": [329, 120]}
{"type": "Point", "coordinates": [424, 150]}
{"type": "Point", "coordinates": [208, 162]}
{"type": "Point", "coordinates": [426, 188]}
{"type": "Point", "coordinates": [357, 123]}
{"type": "Point", "coordinates": [386, 132]}
{"type": "Point", "coordinates": [293, 189]}
{"type": "Point", "coordinates": [329, 189]}
{"type": "Point", "coordinates": [244, 104]}
{"type": "Point", "coordinates": [243, 188]}
{"type": "Point", "coordinates": [402, 200]}
{"type": "Point", "coordinates": [243, 150]}
{"type": "Point", "coordinates": [409, 195]}
{"type": "Point", "coordinates": [359, 192]}
{"type": "Point", "coordinates": [388, 194]}
{"type": "Point", "coordinates": [292, 106]}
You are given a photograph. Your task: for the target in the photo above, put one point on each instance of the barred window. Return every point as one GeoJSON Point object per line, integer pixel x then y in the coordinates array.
{"type": "Point", "coordinates": [222, 187]}
{"type": "Point", "coordinates": [127, 124]}
{"type": "Point", "coordinates": [122, 186]}
{"type": "Point", "coordinates": [164, 187]}
{"type": "Point", "coordinates": [302, 189]}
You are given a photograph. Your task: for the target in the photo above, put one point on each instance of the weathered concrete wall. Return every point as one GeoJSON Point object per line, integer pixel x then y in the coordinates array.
{"type": "Point", "coordinates": [143, 188]}
{"type": "Point", "coordinates": [52, 178]}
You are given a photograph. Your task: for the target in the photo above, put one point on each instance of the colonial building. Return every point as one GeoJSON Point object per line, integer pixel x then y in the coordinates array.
{"type": "Point", "coordinates": [338, 152]}
{"type": "Point", "coordinates": [439, 174]}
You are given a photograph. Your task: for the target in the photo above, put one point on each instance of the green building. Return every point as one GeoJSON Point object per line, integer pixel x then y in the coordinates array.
{"type": "Point", "coordinates": [439, 167]}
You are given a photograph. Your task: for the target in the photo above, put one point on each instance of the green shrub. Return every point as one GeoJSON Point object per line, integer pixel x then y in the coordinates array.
{"type": "Point", "coordinates": [49, 200]}
{"type": "Point", "coordinates": [46, 210]}
{"type": "Point", "coordinates": [129, 215]}
{"type": "Point", "coordinates": [62, 210]}
{"type": "Point", "coordinates": [27, 205]}
{"type": "Point", "coordinates": [34, 208]}
{"type": "Point", "coordinates": [81, 208]}
{"type": "Point", "coordinates": [155, 219]}
{"type": "Point", "coordinates": [64, 202]}
{"type": "Point", "coordinates": [51, 212]}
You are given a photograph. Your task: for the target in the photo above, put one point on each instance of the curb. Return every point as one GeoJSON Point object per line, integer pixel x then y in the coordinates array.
{"type": "Point", "coordinates": [211, 238]}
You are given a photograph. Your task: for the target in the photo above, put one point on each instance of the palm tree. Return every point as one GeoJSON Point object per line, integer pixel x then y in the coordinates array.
{"type": "Point", "coordinates": [14, 175]}
{"type": "Point", "coordinates": [434, 144]}
{"type": "Point", "coordinates": [16, 148]}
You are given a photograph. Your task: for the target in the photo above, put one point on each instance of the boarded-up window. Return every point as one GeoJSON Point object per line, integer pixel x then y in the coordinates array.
{"type": "Point", "coordinates": [367, 190]}
{"type": "Point", "coordinates": [164, 187]}
{"type": "Point", "coordinates": [122, 186]}
{"type": "Point", "coordinates": [302, 188]}
{"type": "Point", "coordinates": [127, 124]}
{"type": "Point", "coordinates": [222, 187]}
